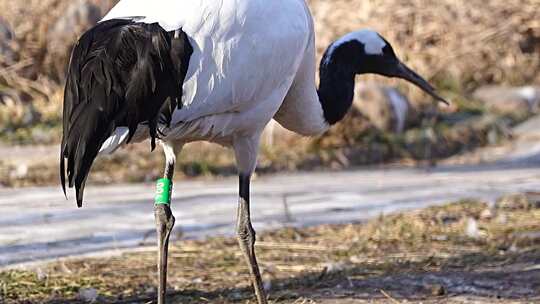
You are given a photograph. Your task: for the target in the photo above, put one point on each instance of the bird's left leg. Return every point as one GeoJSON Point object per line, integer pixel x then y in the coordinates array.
{"type": "Point", "coordinates": [164, 218]}
{"type": "Point", "coordinates": [246, 150]}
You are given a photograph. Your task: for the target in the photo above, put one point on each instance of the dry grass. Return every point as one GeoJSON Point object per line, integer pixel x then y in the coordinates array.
{"type": "Point", "coordinates": [32, 82]}
{"type": "Point", "coordinates": [462, 42]}
{"type": "Point", "coordinates": [458, 44]}
{"type": "Point", "coordinates": [315, 265]}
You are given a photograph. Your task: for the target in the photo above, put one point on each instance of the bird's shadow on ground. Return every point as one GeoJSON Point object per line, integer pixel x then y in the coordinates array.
{"type": "Point", "coordinates": [478, 275]}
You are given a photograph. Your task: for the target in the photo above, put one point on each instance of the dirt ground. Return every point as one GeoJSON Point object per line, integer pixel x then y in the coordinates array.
{"type": "Point", "coordinates": [466, 252]}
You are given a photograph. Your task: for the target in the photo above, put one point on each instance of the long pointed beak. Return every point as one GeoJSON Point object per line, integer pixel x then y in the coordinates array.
{"type": "Point", "coordinates": [404, 72]}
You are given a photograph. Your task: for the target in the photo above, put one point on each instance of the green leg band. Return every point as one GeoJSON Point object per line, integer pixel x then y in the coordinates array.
{"type": "Point", "coordinates": [163, 191]}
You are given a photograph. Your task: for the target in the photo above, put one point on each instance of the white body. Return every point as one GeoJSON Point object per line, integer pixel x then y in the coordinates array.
{"type": "Point", "coordinates": [252, 60]}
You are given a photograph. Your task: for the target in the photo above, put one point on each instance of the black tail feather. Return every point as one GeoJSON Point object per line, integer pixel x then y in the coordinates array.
{"type": "Point", "coordinates": [122, 73]}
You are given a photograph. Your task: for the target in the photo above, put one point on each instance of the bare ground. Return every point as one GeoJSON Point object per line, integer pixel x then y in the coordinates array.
{"type": "Point", "coordinates": [466, 252]}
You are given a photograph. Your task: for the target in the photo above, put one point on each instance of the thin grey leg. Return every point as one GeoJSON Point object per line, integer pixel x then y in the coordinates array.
{"type": "Point", "coordinates": [246, 239]}
{"type": "Point", "coordinates": [164, 225]}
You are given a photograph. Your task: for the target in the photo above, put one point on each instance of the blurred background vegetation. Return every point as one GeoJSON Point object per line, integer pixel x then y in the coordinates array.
{"type": "Point", "coordinates": [481, 54]}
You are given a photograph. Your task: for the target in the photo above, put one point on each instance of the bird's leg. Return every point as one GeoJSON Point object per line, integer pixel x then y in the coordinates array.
{"type": "Point", "coordinates": [164, 220]}
{"type": "Point", "coordinates": [246, 238]}
{"type": "Point", "coordinates": [164, 226]}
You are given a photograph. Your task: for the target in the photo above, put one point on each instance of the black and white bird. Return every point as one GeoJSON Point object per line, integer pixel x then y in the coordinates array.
{"type": "Point", "coordinates": [209, 70]}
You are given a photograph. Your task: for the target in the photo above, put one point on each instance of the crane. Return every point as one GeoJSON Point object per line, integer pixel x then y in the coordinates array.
{"type": "Point", "coordinates": [208, 70]}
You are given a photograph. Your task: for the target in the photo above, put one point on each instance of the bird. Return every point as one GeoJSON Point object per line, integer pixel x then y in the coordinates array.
{"type": "Point", "coordinates": [182, 71]}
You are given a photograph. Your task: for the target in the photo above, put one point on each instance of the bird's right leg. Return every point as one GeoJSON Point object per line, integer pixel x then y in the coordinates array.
{"type": "Point", "coordinates": [246, 150]}
{"type": "Point", "coordinates": [164, 219]}
{"type": "Point", "coordinates": [246, 238]}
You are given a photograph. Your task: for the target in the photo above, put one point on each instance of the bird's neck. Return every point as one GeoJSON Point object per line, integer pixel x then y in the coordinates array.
{"type": "Point", "coordinates": [336, 91]}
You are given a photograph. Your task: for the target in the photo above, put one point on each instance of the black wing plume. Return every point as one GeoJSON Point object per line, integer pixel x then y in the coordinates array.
{"type": "Point", "coordinates": [121, 73]}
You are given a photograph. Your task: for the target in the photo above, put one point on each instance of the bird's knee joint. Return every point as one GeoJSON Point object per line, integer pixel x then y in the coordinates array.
{"type": "Point", "coordinates": [246, 233]}
{"type": "Point", "coordinates": [164, 217]}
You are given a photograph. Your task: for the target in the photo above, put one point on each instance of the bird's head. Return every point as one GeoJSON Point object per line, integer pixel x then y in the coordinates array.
{"type": "Point", "coordinates": [367, 52]}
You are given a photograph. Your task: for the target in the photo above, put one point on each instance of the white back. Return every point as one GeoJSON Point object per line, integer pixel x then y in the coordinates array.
{"type": "Point", "coordinates": [246, 55]}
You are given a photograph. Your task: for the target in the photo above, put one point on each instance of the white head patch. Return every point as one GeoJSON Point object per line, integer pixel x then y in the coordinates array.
{"type": "Point", "coordinates": [372, 41]}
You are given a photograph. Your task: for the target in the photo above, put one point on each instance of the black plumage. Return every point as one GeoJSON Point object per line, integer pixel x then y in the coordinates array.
{"type": "Point", "coordinates": [121, 73]}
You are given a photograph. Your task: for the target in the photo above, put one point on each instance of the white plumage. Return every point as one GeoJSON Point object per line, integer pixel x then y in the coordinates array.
{"type": "Point", "coordinates": [247, 54]}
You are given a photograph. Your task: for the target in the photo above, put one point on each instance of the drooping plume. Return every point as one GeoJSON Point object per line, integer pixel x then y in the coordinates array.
{"type": "Point", "coordinates": [122, 74]}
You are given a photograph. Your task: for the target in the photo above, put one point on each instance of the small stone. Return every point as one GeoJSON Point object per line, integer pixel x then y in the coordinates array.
{"type": "Point", "coordinates": [88, 295]}
{"type": "Point", "coordinates": [437, 290]}
{"type": "Point", "coordinates": [502, 219]}
{"type": "Point", "coordinates": [267, 285]}
{"type": "Point", "coordinates": [357, 259]}
{"type": "Point", "coordinates": [509, 100]}
{"type": "Point", "coordinates": [513, 248]}
{"type": "Point", "coordinates": [41, 274]}
{"type": "Point", "coordinates": [440, 238]}
{"type": "Point", "coordinates": [332, 267]}
{"type": "Point", "coordinates": [472, 230]}
{"type": "Point", "coordinates": [20, 172]}
{"type": "Point", "coordinates": [486, 214]}
{"type": "Point", "coordinates": [513, 202]}
{"type": "Point", "coordinates": [386, 108]}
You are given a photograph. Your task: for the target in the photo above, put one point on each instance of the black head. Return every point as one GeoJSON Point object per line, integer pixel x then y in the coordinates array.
{"type": "Point", "coordinates": [367, 52]}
